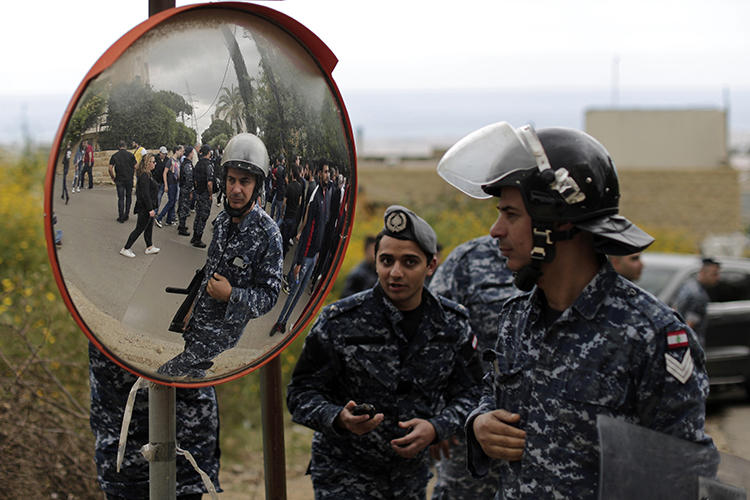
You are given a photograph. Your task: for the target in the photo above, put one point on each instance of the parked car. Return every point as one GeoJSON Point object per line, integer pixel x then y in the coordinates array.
{"type": "Point", "coordinates": [728, 327]}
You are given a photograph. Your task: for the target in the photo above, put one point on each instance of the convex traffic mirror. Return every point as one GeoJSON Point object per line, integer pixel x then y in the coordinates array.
{"type": "Point", "coordinates": [194, 76]}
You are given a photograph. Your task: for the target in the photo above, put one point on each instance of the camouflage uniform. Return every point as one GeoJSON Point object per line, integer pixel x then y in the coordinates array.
{"type": "Point", "coordinates": [197, 432]}
{"type": "Point", "coordinates": [692, 303]}
{"type": "Point", "coordinates": [474, 275]}
{"type": "Point", "coordinates": [251, 260]}
{"type": "Point", "coordinates": [606, 354]}
{"type": "Point", "coordinates": [186, 189]}
{"type": "Point", "coordinates": [202, 175]}
{"type": "Point", "coordinates": [357, 351]}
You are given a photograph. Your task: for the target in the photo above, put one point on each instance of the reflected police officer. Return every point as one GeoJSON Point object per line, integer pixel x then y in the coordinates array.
{"type": "Point", "coordinates": [243, 270]}
{"type": "Point", "coordinates": [408, 353]}
{"type": "Point", "coordinates": [583, 340]}
{"type": "Point", "coordinates": [203, 183]}
{"type": "Point", "coordinates": [186, 191]}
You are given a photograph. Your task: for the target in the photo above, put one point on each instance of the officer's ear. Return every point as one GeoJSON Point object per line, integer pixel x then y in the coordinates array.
{"type": "Point", "coordinates": [431, 266]}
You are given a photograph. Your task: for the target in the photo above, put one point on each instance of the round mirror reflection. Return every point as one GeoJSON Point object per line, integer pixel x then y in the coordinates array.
{"type": "Point", "coordinates": [203, 77]}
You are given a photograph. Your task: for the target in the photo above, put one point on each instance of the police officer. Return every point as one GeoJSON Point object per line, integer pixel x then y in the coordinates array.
{"type": "Point", "coordinates": [203, 182]}
{"type": "Point", "coordinates": [474, 275]}
{"type": "Point", "coordinates": [692, 299]}
{"type": "Point", "coordinates": [186, 191]}
{"type": "Point", "coordinates": [244, 265]}
{"type": "Point", "coordinates": [408, 353]}
{"type": "Point", "coordinates": [197, 429]}
{"type": "Point", "coordinates": [583, 341]}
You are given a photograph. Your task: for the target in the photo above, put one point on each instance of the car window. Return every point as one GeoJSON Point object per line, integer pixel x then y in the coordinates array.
{"type": "Point", "coordinates": [733, 285]}
{"type": "Point", "coordinates": [655, 278]}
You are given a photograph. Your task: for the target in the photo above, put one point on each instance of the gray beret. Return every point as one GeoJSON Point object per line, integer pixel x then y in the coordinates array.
{"type": "Point", "coordinates": [402, 223]}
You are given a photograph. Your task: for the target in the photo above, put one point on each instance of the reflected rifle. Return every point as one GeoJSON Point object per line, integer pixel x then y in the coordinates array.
{"type": "Point", "coordinates": [181, 317]}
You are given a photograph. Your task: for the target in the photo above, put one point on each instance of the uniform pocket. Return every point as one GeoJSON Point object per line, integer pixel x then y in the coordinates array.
{"type": "Point", "coordinates": [595, 388]}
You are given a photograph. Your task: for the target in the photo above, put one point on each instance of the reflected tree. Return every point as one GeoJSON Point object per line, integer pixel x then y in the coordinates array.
{"type": "Point", "coordinates": [87, 114]}
{"type": "Point", "coordinates": [231, 108]}
{"type": "Point", "coordinates": [136, 111]}
{"type": "Point", "coordinates": [217, 134]}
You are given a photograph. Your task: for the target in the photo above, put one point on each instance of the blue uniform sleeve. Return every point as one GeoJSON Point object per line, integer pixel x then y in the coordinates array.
{"type": "Point", "coordinates": [674, 385]}
{"type": "Point", "coordinates": [463, 391]}
{"type": "Point", "coordinates": [308, 393]}
{"type": "Point", "coordinates": [477, 461]}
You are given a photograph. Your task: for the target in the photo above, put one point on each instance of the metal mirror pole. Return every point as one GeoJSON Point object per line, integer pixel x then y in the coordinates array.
{"type": "Point", "coordinates": [162, 464]}
{"type": "Point", "coordinates": [162, 468]}
{"type": "Point", "coordinates": [272, 412]}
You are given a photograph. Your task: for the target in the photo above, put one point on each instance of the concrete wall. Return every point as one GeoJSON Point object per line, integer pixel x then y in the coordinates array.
{"type": "Point", "coordinates": [699, 202]}
{"type": "Point", "coordinates": [642, 138]}
{"type": "Point", "coordinates": [101, 166]}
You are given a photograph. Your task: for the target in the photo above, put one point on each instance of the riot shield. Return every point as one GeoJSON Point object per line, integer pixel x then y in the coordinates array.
{"type": "Point", "coordinates": [641, 463]}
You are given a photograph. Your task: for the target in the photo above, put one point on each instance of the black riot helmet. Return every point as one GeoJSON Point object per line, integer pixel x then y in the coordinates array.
{"type": "Point", "coordinates": [246, 152]}
{"type": "Point", "coordinates": [564, 175]}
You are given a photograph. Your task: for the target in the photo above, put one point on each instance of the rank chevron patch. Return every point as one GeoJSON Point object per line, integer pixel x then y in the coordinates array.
{"type": "Point", "coordinates": [682, 370]}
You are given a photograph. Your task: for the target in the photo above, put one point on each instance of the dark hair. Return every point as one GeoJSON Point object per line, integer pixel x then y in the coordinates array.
{"type": "Point", "coordinates": [380, 235]}
{"type": "Point", "coordinates": [708, 261]}
{"type": "Point", "coordinates": [123, 144]}
{"type": "Point", "coordinates": [294, 170]}
{"type": "Point", "coordinates": [369, 240]}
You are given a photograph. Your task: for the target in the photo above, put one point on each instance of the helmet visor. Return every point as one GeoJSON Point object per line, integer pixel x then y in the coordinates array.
{"type": "Point", "coordinates": [487, 155]}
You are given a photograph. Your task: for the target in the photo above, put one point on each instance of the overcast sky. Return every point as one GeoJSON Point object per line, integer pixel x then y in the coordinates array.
{"type": "Point", "coordinates": [418, 44]}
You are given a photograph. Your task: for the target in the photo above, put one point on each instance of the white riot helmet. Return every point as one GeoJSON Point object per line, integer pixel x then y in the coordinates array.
{"type": "Point", "coordinates": [246, 152]}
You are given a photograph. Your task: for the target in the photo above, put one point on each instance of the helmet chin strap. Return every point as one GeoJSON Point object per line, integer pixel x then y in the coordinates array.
{"type": "Point", "coordinates": [544, 237]}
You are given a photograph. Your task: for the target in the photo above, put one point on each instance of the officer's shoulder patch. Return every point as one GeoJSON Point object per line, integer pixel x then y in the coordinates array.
{"type": "Point", "coordinates": [453, 306]}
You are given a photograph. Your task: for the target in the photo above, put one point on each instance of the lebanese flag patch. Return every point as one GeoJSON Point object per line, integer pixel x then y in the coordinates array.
{"type": "Point", "coordinates": [677, 339]}
{"type": "Point", "coordinates": [474, 342]}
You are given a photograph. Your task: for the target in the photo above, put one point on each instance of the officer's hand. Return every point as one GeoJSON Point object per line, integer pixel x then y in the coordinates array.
{"type": "Point", "coordinates": [497, 438]}
{"type": "Point", "coordinates": [296, 271]}
{"type": "Point", "coordinates": [443, 448]}
{"type": "Point", "coordinates": [219, 288]}
{"type": "Point", "coordinates": [358, 424]}
{"type": "Point", "coordinates": [420, 436]}
{"type": "Point", "coordinates": [152, 213]}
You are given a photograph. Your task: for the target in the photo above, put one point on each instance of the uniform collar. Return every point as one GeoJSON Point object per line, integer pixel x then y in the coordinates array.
{"type": "Point", "coordinates": [591, 298]}
{"type": "Point", "coordinates": [432, 306]}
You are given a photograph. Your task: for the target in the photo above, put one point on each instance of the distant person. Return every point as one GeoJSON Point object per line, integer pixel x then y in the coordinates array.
{"type": "Point", "coordinates": [88, 164]}
{"type": "Point", "coordinates": [203, 184]}
{"type": "Point", "coordinates": [310, 240]}
{"type": "Point", "coordinates": [145, 207]}
{"type": "Point", "coordinates": [692, 299]}
{"type": "Point", "coordinates": [363, 276]}
{"type": "Point", "coordinates": [242, 274]}
{"type": "Point", "coordinates": [121, 166]}
{"type": "Point", "coordinates": [78, 163]}
{"type": "Point", "coordinates": [279, 191]}
{"type": "Point", "coordinates": [629, 266]}
{"type": "Point", "coordinates": [170, 179]}
{"type": "Point", "coordinates": [292, 205]}
{"type": "Point", "coordinates": [138, 150]}
{"type": "Point", "coordinates": [186, 190]}
{"type": "Point", "coordinates": [197, 428]}
{"type": "Point", "coordinates": [162, 160]}
{"type": "Point", "coordinates": [66, 166]}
